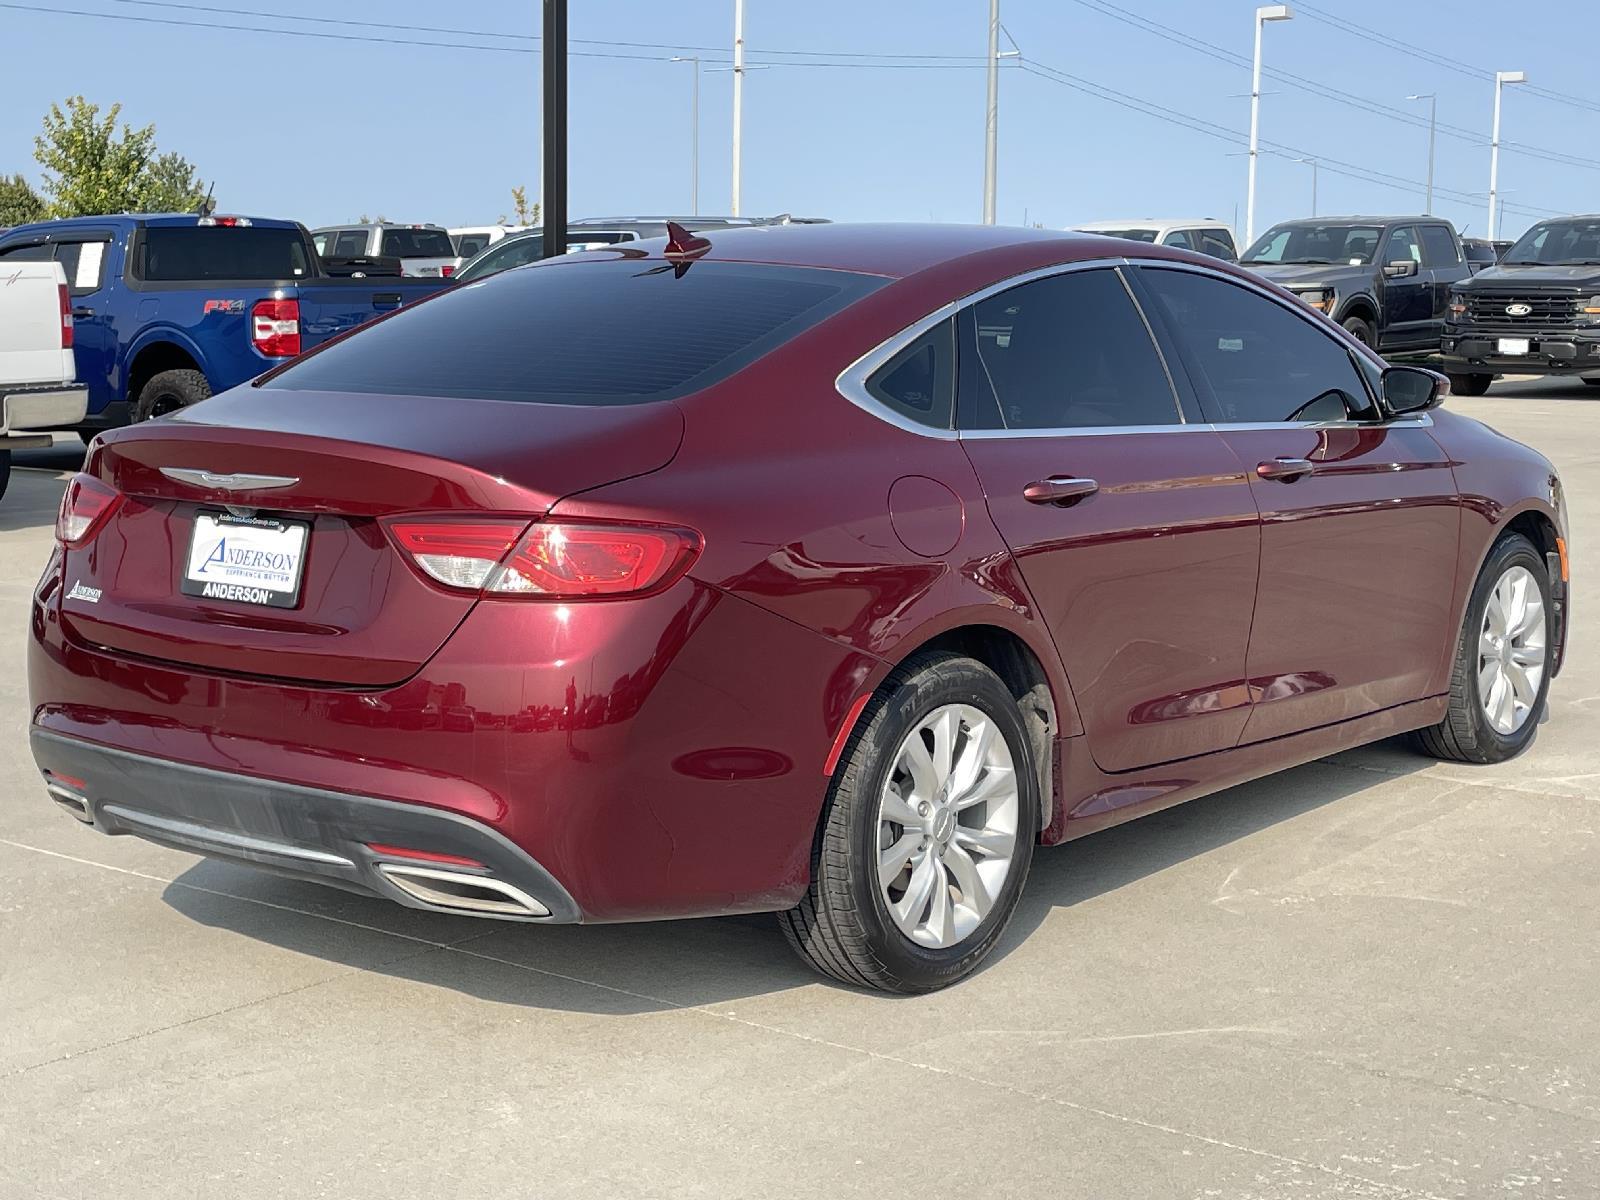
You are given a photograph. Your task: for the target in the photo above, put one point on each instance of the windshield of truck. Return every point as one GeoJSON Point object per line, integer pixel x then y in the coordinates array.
{"type": "Point", "coordinates": [1554, 243]}
{"type": "Point", "coordinates": [417, 243]}
{"type": "Point", "coordinates": [179, 253]}
{"type": "Point", "coordinates": [1353, 245]}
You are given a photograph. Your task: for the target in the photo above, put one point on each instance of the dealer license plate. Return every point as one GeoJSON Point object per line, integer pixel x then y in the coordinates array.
{"type": "Point", "coordinates": [1513, 345]}
{"type": "Point", "coordinates": [249, 560]}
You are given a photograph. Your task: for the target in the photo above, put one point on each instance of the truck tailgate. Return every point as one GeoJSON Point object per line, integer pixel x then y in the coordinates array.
{"type": "Point", "coordinates": [331, 307]}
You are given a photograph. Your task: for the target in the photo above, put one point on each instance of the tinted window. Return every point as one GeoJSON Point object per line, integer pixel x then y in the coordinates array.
{"type": "Point", "coordinates": [1401, 245]}
{"type": "Point", "coordinates": [1219, 244]}
{"type": "Point", "coordinates": [1478, 251]}
{"type": "Point", "coordinates": [613, 332]}
{"type": "Point", "coordinates": [83, 263]}
{"type": "Point", "coordinates": [468, 244]}
{"type": "Point", "coordinates": [1132, 235]}
{"type": "Point", "coordinates": [919, 382]}
{"type": "Point", "coordinates": [1069, 351]}
{"type": "Point", "coordinates": [509, 252]}
{"type": "Point", "coordinates": [1179, 238]}
{"type": "Point", "coordinates": [1439, 247]}
{"type": "Point", "coordinates": [199, 252]}
{"type": "Point", "coordinates": [417, 243]}
{"type": "Point", "coordinates": [351, 243]}
{"type": "Point", "coordinates": [1331, 243]}
{"type": "Point", "coordinates": [35, 253]}
{"type": "Point", "coordinates": [1262, 361]}
{"type": "Point", "coordinates": [320, 241]}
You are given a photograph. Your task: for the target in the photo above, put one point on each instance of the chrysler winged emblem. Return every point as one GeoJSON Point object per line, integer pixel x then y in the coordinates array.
{"type": "Point", "coordinates": [228, 483]}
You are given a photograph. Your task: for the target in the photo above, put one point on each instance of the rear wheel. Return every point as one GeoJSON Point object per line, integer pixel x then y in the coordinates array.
{"type": "Point", "coordinates": [1360, 329]}
{"type": "Point", "coordinates": [1503, 659]}
{"type": "Point", "coordinates": [168, 392]}
{"type": "Point", "coordinates": [1470, 385]}
{"type": "Point", "coordinates": [927, 834]}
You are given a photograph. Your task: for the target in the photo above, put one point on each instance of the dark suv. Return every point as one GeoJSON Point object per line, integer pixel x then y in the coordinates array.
{"type": "Point", "coordinates": [1385, 279]}
{"type": "Point", "coordinates": [1536, 313]}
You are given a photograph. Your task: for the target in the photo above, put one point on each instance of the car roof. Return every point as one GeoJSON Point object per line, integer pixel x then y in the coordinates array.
{"type": "Point", "coordinates": [149, 220]}
{"type": "Point", "coordinates": [1148, 222]}
{"type": "Point", "coordinates": [897, 251]}
{"type": "Point", "coordinates": [1365, 219]}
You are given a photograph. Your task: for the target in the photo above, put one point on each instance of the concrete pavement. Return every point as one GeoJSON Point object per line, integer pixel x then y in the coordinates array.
{"type": "Point", "coordinates": [1372, 976]}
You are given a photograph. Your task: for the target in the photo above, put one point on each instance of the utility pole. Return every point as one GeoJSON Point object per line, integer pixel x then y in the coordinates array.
{"type": "Point", "coordinates": [1267, 12]}
{"type": "Point", "coordinates": [694, 137]}
{"type": "Point", "coordinates": [1501, 78]}
{"type": "Point", "coordinates": [738, 97]}
{"type": "Point", "coordinates": [1433, 129]}
{"type": "Point", "coordinates": [554, 49]}
{"type": "Point", "coordinates": [991, 146]}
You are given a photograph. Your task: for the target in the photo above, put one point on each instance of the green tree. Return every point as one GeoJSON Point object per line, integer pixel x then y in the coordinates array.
{"type": "Point", "coordinates": [92, 167]}
{"type": "Point", "coordinates": [526, 214]}
{"type": "Point", "coordinates": [19, 203]}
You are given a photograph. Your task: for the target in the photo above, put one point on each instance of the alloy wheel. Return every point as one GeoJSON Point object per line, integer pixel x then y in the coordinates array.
{"type": "Point", "coordinates": [947, 826]}
{"type": "Point", "coordinates": [1511, 650]}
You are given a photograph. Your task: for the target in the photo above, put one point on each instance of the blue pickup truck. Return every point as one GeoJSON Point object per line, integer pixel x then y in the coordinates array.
{"type": "Point", "coordinates": [168, 309]}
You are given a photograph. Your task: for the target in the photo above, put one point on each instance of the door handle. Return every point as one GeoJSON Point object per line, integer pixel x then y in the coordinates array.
{"type": "Point", "coordinates": [1285, 470]}
{"type": "Point", "coordinates": [1060, 490]}
{"type": "Point", "coordinates": [83, 311]}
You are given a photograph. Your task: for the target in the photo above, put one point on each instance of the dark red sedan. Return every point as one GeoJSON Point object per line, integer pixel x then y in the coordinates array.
{"type": "Point", "coordinates": [822, 570]}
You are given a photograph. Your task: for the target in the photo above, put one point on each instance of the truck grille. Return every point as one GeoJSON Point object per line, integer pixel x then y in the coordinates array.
{"type": "Point", "coordinates": [1545, 311]}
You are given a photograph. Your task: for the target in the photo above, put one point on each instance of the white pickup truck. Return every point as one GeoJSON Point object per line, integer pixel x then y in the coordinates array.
{"type": "Point", "coordinates": [38, 374]}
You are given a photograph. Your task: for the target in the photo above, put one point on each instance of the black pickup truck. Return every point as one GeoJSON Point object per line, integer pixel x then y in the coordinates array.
{"type": "Point", "coordinates": [1537, 312]}
{"type": "Point", "coordinates": [1385, 279]}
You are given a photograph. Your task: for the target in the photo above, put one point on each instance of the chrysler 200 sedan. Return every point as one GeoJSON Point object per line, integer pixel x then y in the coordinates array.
{"type": "Point", "coordinates": [819, 570]}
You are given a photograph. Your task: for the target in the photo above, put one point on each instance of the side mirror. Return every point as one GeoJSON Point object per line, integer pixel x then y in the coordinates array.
{"type": "Point", "coordinates": [1400, 268]}
{"type": "Point", "coordinates": [1413, 389]}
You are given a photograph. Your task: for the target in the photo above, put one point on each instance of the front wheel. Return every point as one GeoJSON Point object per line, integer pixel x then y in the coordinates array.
{"type": "Point", "coordinates": [927, 834]}
{"type": "Point", "coordinates": [1503, 660]}
{"type": "Point", "coordinates": [1470, 385]}
{"type": "Point", "coordinates": [1360, 329]}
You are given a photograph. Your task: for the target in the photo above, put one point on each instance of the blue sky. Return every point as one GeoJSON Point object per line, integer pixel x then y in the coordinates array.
{"type": "Point", "coordinates": [324, 129]}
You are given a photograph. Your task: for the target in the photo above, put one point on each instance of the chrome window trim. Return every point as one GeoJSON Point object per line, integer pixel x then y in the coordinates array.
{"type": "Point", "coordinates": [851, 382]}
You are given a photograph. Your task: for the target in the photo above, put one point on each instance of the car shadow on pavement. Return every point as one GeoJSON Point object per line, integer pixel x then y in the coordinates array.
{"type": "Point", "coordinates": [38, 477]}
{"type": "Point", "coordinates": [649, 967]}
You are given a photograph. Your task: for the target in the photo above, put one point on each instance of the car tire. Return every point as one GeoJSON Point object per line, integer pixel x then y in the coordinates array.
{"type": "Point", "coordinates": [169, 391]}
{"type": "Point", "coordinates": [1594, 383]}
{"type": "Point", "coordinates": [845, 926]}
{"type": "Point", "coordinates": [1360, 329]}
{"type": "Point", "coordinates": [1468, 733]}
{"type": "Point", "coordinates": [5, 472]}
{"type": "Point", "coordinates": [1470, 385]}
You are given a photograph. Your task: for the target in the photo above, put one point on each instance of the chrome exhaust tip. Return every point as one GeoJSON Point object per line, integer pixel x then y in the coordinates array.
{"type": "Point", "coordinates": [75, 805]}
{"type": "Point", "coordinates": [458, 891]}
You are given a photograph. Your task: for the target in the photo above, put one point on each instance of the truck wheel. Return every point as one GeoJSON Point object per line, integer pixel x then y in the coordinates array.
{"type": "Point", "coordinates": [5, 471]}
{"type": "Point", "coordinates": [1592, 382]}
{"type": "Point", "coordinates": [1470, 385]}
{"type": "Point", "coordinates": [1359, 329]}
{"type": "Point", "coordinates": [168, 392]}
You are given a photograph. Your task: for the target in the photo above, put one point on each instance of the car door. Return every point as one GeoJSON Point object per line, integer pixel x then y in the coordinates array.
{"type": "Point", "coordinates": [1360, 515]}
{"type": "Point", "coordinates": [1441, 258]}
{"type": "Point", "coordinates": [1407, 299]}
{"type": "Point", "coordinates": [85, 258]}
{"type": "Point", "coordinates": [1131, 522]}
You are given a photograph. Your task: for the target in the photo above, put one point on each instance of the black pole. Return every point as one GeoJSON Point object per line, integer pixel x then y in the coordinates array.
{"type": "Point", "coordinates": [555, 127]}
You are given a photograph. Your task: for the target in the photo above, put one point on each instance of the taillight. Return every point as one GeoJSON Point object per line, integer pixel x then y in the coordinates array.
{"type": "Point", "coordinates": [553, 560]}
{"type": "Point", "coordinates": [84, 508]}
{"type": "Point", "coordinates": [447, 270]}
{"type": "Point", "coordinates": [66, 316]}
{"type": "Point", "coordinates": [275, 327]}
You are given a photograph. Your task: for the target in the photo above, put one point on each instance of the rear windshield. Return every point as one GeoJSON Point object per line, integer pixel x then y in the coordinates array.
{"type": "Point", "coordinates": [417, 243]}
{"type": "Point", "coordinates": [176, 253]}
{"type": "Point", "coordinates": [623, 331]}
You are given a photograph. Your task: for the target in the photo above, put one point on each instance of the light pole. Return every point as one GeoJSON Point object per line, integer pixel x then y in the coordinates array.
{"type": "Point", "coordinates": [1433, 129]}
{"type": "Point", "coordinates": [1501, 78]}
{"type": "Point", "coordinates": [738, 97]}
{"type": "Point", "coordinates": [1267, 12]}
{"type": "Point", "coordinates": [694, 141]}
{"type": "Point", "coordinates": [1312, 163]}
{"type": "Point", "coordinates": [992, 120]}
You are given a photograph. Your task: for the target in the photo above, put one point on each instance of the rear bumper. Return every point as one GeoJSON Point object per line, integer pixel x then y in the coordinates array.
{"type": "Point", "coordinates": [1471, 351]}
{"type": "Point", "coordinates": [303, 832]}
{"type": "Point", "coordinates": [54, 407]}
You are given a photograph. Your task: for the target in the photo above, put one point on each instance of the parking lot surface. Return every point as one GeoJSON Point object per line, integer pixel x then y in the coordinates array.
{"type": "Point", "coordinates": [1372, 976]}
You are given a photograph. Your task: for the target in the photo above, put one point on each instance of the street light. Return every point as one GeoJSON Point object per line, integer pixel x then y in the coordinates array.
{"type": "Point", "coordinates": [738, 98]}
{"type": "Point", "coordinates": [694, 168]}
{"type": "Point", "coordinates": [991, 135]}
{"type": "Point", "coordinates": [1312, 163]}
{"type": "Point", "coordinates": [1433, 128]}
{"type": "Point", "coordinates": [1501, 78]}
{"type": "Point", "coordinates": [1267, 12]}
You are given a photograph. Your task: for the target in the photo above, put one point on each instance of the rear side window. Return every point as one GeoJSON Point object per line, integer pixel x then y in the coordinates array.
{"type": "Point", "coordinates": [1439, 247]}
{"type": "Point", "coordinates": [469, 244]}
{"type": "Point", "coordinates": [417, 243]}
{"type": "Point", "coordinates": [83, 263]}
{"type": "Point", "coordinates": [1180, 239]}
{"type": "Point", "coordinates": [1068, 351]}
{"type": "Point", "coordinates": [178, 253]}
{"type": "Point", "coordinates": [38, 252]}
{"type": "Point", "coordinates": [1219, 244]}
{"type": "Point", "coordinates": [1261, 362]}
{"type": "Point", "coordinates": [623, 331]}
{"type": "Point", "coordinates": [919, 382]}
